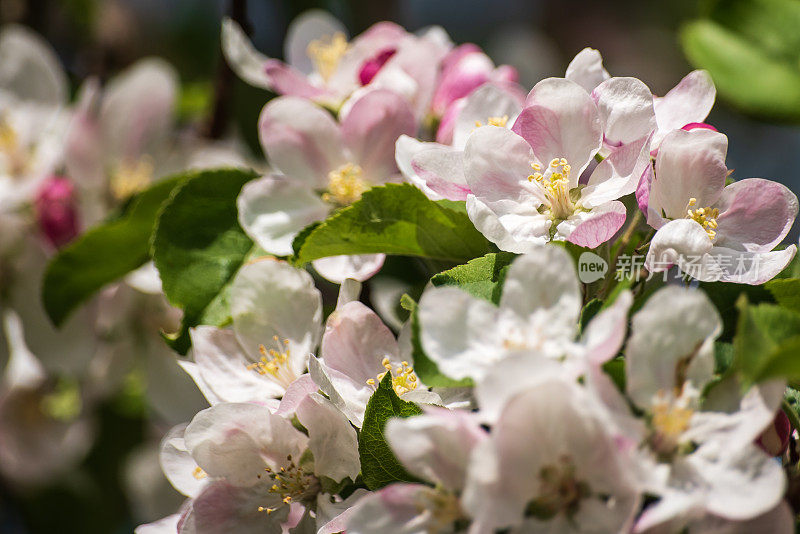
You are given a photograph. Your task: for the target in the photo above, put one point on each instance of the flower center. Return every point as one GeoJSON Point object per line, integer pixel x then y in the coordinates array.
{"type": "Point", "coordinates": [326, 53]}
{"type": "Point", "coordinates": [494, 121]}
{"type": "Point", "coordinates": [292, 483]}
{"type": "Point", "coordinates": [554, 181]}
{"type": "Point", "coordinates": [17, 158]}
{"type": "Point", "coordinates": [669, 420]}
{"type": "Point", "coordinates": [404, 379]}
{"type": "Point", "coordinates": [443, 508]}
{"type": "Point", "coordinates": [705, 217]}
{"type": "Point", "coordinates": [64, 402]}
{"type": "Point", "coordinates": [130, 178]}
{"type": "Point", "coordinates": [274, 362]}
{"type": "Point", "coordinates": [345, 185]}
{"type": "Point", "coordinates": [559, 489]}
{"type": "Point", "coordinates": [198, 473]}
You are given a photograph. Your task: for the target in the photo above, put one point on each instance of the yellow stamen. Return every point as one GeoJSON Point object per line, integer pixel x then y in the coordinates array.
{"type": "Point", "coordinates": [17, 157]}
{"type": "Point", "coordinates": [404, 379]}
{"type": "Point", "coordinates": [494, 121]}
{"type": "Point", "coordinates": [326, 53]}
{"type": "Point", "coordinates": [555, 183]}
{"type": "Point", "coordinates": [130, 178]}
{"type": "Point", "coordinates": [199, 474]}
{"type": "Point", "coordinates": [345, 185]}
{"type": "Point", "coordinates": [705, 217]}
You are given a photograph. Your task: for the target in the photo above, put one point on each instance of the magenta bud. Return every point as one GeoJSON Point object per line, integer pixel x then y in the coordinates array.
{"type": "Point", "coordinates": [56, 211]}
{"type": "Point", "coordinates": [696, 125]}
{"type": "Point", "coordinates": [775, 439]}
{"type": "Point", "coordinates": [372, 66]}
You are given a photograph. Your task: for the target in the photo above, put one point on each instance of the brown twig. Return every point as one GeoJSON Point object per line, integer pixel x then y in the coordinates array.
{"type": "Point", "coordinates": [223, 85]}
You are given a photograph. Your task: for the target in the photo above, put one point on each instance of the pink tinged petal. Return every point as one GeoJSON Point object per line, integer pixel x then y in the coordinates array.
{"type": "Point", "coordinates": [728, 265]}
{"type": "Point", "coordinates": [462, 76]}
{"type": "Point", "coordinates": [447, 124]}
{"type": "Point", "coordinates": [301, 139]}
{"type": "Point", "coordinates": [487, 101]}
{"type": "Point", "coordinates": [178, 465]}
{"type": "Point", "coordinates": [755, 215]}
{"type": "Point", "coordinates": [488, 223]}
{"type": "Point", "coordinates": [333, 513]}
{"type": "Point", "coordinates": [605, 334]}
{"type": "Point", "coordinates": [405, 150]}
{"type": "Point", "coordinates": [56, 210]}
{"type": "Point", "coordinates": [689, 101]}
{"type": "Point", "coordinates": [497, 163]}
{"type": "Point", "coordinates": [643, 197]}
{"type": "Point", "coordinates": [332, 440]}
{"type": "Point", "coordinates": [31, 69]}
{"type": "Point", "coordinates": [309, 26]}
{"type": "Point", "coordinates": [436, 446]}
{"type": "Point", "coordinates": [271, 298]}
{"type": "Point", "coordinates": [601, 224]}
{"type": "Point", "coordinates": [337, 269]}
{"type": "Point", "coordinates": [370, 130]}
{"type": "Point", "coordinates": [247, 62]}
{"type": "Point", "coordinates": [222, 364]}
{"type": "Point", "coordinates": [273, 210]}
{"type": "Point", "coordinates": [441, 168]}
{"type": "Point", "coordinates": [347, 394]}
{"type": "Point", "coordinates": [586, 69]}
{"type": "Point", "coordinates": [356, 341]}
{"type": "Point", "coordinates": [287, 81]}
{"type": "Point", "coordinates": [626, 110]}
{"type": "Point", "coordinates": [618, 174]}
{"type": "Point", "coordinates": [396, 509]}
{"type": "Point", "coordinates": [561, 121]}
{"type": "Point", "coordinates": [238, 441]}
{"type": "Point", "coordinates": [690, 164]}
{"type": "Point", "coordinates": [674, 324]}
{"type": "Point", "coordinates": [223, 507]}
{"type": "Point", "coordinates": [295, 394]}
{"type": "Point", "coordinates": [136, 113]}
{"type": "Point", "coordinates": [779, 520]}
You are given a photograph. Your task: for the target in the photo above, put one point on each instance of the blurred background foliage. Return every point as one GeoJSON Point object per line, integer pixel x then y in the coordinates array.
{"type": "Point", "coordinates": [751, 48]}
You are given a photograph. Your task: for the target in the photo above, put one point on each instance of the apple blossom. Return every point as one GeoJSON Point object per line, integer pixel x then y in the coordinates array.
{"type": "Point", "coordinates": [709, 230]}
{"type": "Point", "coordinates": [324, 165]}
{"type": "Point", "coordinates": [538, 311]}
{"type": "Point", "coordinates": [525, 182]}
{"type": "Point", "coordinates": [437, 447]}
{"type": "Point", "coordinates": [276, 323]}
{"type": "Point", "coordinates": [56, 210]}
{"type": "Point", "coordinates": [326, 68]}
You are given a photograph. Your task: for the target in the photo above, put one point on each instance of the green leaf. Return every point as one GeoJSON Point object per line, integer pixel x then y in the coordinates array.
{"type": "Point", "coordinates": [104, 253]}
{"type": "Point", "coordinates": [198, 246]}
{"type": "Point", "coordinates": [786, 292]}
{"type": "Point", "coordinates": [751, 48]}
{"type": "Point", "coordinates": [379, 466]}
{"type": "Point", "coordinates": [590, 310]}
{"type": "Point", "coordinates": [767, 342]}
{"type": "Point", "coordinates": [395, 219]}
{"type": "Point", "coordinates": [725, 295]}
{"type": "Point", "coordinates": [482, 277]}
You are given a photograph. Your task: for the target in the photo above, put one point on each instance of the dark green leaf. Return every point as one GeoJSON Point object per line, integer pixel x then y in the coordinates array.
{"type": "Point", "coordinates": [724, 297]}
{"type": "Point", "coordinates": [395, 219]}
{"type": "Point", "coordinates": [104, 253]}
{"type": "Point", "coordinates": [379, 466]}
{"type": "Point", "coordinates": [482, 277]}
{"type": "Point", "coordinates": [198, 246]}
{"type": "Point", "coordinates": [590, 310]}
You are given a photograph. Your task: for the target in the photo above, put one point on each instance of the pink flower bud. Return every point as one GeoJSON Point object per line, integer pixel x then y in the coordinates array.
{"type": "Point", "coordinates": [695, 125]}
{"type": "Point", "coordinates": [56, 211]}
{"type": "Point", "coordinates": [372, 66]}
{"type": "Point", "coordinates": [775, 439]}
